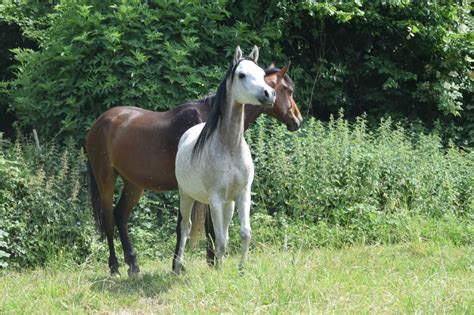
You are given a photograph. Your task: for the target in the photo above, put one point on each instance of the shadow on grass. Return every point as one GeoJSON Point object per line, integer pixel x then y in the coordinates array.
{"type": "Point", "coordinates": [149, 285]}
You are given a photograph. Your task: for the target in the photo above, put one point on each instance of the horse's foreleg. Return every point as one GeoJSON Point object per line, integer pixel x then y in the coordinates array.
{"type": "Point", "coordinates": [228, 214]}
{"type": "Point", "coordinates": [210, 234]}
{"type": "Point", "coordinates": [217, 215]}
{"type": "Point", "coordinates": [130, 196]}
{"type": "Point", "coordinates": [185, 208]}
{"type": "Point", "coordinates": [243, 206]}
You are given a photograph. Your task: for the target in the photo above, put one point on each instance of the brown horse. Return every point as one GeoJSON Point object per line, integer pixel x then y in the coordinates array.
{"type": "Point", "coordinates": [140, 146]}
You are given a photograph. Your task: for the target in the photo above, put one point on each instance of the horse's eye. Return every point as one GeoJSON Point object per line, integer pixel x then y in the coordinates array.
{"type": "Point", "coordinates": [241, 75]}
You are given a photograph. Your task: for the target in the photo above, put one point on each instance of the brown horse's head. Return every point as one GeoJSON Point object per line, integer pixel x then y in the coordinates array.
{"type": "Point", "coordinates": [285, 108]}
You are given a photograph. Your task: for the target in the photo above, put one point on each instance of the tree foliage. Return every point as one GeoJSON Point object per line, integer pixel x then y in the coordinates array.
{"type": "Point", "coordinates": [409, 59]}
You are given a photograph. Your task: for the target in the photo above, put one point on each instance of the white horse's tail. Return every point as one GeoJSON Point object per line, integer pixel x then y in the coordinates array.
{"type": "Point", "coordinates": [198, 216]}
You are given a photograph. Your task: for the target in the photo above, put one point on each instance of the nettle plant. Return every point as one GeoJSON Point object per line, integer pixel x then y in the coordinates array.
{"type": "Point", "coordinates": [329, 184]}
{"type": "Point", "coordinates": [347, 175]}
{"type": "Point", "coordinates": [44, 210]}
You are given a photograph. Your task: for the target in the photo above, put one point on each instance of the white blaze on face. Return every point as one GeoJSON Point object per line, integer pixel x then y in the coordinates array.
{"type": "Point", "coordinates": [249, 86]}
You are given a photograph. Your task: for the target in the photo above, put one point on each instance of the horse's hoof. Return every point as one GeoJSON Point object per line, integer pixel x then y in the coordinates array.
{"type": "Point", "coordinates": [134, 272]}
{"type": "Point", "coordinates": [211, 262]}
{"type": "Point", "coordinates": [115, 274]}
{"type": "Point", "coordinates": [179, 269]}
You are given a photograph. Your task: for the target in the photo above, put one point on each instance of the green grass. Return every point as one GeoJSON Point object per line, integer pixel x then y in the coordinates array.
{"type": "Point", "coordinates": [417, 277]}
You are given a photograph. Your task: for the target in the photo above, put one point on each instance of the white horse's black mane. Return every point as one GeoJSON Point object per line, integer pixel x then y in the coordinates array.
{"type": "Point", "coordinates": [217, 103]}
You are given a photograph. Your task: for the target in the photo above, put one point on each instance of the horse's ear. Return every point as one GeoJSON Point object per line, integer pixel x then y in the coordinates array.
{"type": "Point", "coordinates": [254, 54]}
{"type": "Point", "coordinates": [283, 71]}
{"type": "Point", "coordinates": [272, 65]}
{"type": "Point", "coordinates": [238, 54]}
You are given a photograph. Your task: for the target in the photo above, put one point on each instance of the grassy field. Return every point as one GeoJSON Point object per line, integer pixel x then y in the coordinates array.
{"type": "Point", "coordinates": [410, 278]}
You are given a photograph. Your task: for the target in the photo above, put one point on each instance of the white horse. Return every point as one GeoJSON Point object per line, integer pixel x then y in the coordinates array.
{"type": "Point", "coordinates": [213, 163]}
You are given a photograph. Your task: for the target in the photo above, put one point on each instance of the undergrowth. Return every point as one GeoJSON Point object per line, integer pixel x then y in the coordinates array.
{"type": "Point", "coordinates": [331, 184]}
{"type": "Point", "coordinates": [396, 279]}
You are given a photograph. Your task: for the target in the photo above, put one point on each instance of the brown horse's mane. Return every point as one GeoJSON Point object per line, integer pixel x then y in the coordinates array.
{"type": "Point", "coordinates": [273, 70]}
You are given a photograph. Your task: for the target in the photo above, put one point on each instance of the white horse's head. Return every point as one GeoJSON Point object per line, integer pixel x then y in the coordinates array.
{"type": "Point", "coordinates": [248, 84]}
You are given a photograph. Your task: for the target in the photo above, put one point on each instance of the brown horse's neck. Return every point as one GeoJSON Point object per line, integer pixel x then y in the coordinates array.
{"type": "Point", "coordinates": [231, 125]}
{"type": "Point", "coordinates": [251, 114]}
{"type": "Point", "coordinates": [204, 109]}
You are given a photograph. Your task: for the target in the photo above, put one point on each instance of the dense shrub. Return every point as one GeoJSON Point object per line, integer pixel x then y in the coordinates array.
{"type": "Point", "coordinates": [405, 58]}
{"type": "Point", "coordinates": [101, 54]}
{"type": "Point", "coordinates": [339, 183]}
{"type": "Point", "coordinates": [45, 211]}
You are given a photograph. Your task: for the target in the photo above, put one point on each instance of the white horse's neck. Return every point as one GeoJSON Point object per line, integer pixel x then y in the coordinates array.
{"type": "Point", "coordinates": [231, 125]}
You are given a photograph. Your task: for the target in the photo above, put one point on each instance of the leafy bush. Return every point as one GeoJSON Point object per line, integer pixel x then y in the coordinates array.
{"type": "Point", "coordinates": [96, 55]}
{"type": "Point", "coordinates": [343, 173]}
{"type": "Point", "coordinates": [404, 58]}
{"type": "Point", "coordinates": [45, 210]}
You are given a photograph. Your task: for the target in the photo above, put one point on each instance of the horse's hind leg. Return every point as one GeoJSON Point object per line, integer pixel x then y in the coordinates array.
{"type": "Point", "coordinates": [106, 183]}
{"type": "Point", "coordinates": [174, 265]}
{"type": "Point", "coordinates": [185, 208]}
{"type": "Point", "coordinates": [130, 196]}
{"type": "Point", "coordinates": [211, 239]}
{"type": "Point", "coordinates": [210, 235]}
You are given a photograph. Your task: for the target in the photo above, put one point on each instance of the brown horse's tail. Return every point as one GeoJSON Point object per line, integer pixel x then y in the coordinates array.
{"type": "Point", "coordinates": [198, 215]}
{"type": "Point", "coordinates": [95, 198]}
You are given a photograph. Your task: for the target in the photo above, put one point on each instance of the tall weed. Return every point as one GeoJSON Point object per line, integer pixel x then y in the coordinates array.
{"type": "Point", "coordinates": [43, 212]}
{"type": "Point", "coordinates": [367, 183]}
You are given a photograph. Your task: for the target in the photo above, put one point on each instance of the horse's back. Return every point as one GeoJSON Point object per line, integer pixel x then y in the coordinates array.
{"type": "Point", "coordinates": [140, 144]}
{"type": "Point", "coordinates": [118, 128]}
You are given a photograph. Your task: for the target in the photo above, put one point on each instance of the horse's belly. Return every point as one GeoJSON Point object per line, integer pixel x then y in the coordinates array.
{"type": "Point", "coordinates": [147, 168]}
{"type": "Point", "coordinates": [196, 192]}
{"type": "Point", "coordinates": [201, 186]}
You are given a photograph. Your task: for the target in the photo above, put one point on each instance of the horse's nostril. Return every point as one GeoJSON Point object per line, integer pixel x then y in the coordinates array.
{"type": "Point", "coordinates": [266, 93]}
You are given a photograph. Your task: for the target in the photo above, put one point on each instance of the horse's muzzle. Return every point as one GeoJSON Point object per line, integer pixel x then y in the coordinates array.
{"type": "Point", "coordinates": [294, 125]}
{"type": "Point", "coordinates": [268, 98]}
